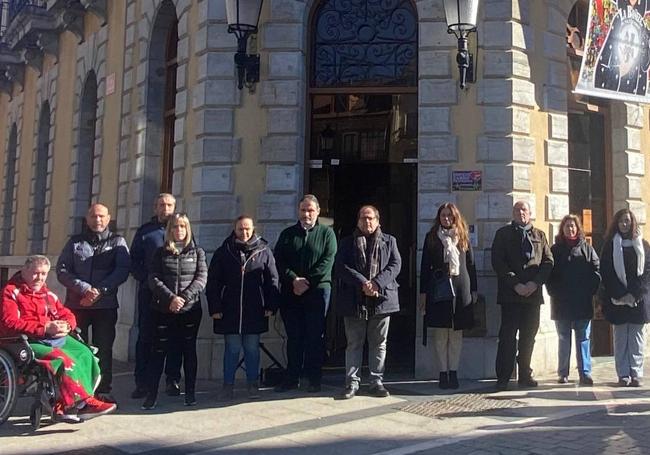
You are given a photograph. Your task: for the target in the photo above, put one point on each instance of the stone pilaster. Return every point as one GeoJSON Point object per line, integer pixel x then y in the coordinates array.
{"type": "Point", "coordinates": [283, 43]}
{"type": "Point", "coordinates": [437, 147]}
{"type": "Point", "coordinates": [628, 161]}
{"type": "Point", "coordinates": [41, 191]}
{"type": "Point", "coordinates": [12, 158]}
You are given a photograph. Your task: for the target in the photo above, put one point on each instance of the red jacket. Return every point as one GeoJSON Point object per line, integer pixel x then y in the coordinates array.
{"type": "Point", "coordinates": [25, 311]}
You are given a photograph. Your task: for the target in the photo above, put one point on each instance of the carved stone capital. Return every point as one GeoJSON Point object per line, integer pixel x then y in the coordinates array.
{"type": "Point", "coordinates": [98, 7]}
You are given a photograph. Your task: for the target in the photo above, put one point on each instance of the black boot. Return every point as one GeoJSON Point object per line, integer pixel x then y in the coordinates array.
{"type": "Point", "coordinates": [443, 380]}
{"type": "Point", "coordinates": [453, 380]}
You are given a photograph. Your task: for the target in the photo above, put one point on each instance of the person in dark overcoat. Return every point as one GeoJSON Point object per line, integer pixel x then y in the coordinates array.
{"type": "Point", "coordinates": [177, 277]}
{"type": "Point", "coordinates": [573, 282]}
{"type": "Point", "coordinates": [242, 293]}
{"type": "Point", "coordinates": [367, 265]}
{"type": "Point", "coordinates": [447, 255]}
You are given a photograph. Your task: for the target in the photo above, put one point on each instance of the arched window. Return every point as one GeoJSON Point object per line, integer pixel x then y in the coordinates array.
{"type": "Point", "coordinates": [86, 150]}
{"type": "Point", "coordinates": [40, 180]}
{"type": "Point", "coordinates": [171, 64]}
{"type": "Point", "coordinates": [9, 191]}
{"type": "Point", "coordinates": [365, 43]}
{"type": "Point", "coordinates": [161, 104]}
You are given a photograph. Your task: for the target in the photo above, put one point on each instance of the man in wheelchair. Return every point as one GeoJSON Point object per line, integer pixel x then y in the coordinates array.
{"type": "Point", "coordinates": [30, 308]}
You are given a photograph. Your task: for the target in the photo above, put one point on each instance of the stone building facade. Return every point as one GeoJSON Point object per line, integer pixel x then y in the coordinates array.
{"type": "Point", "coordinates": [103, 100]}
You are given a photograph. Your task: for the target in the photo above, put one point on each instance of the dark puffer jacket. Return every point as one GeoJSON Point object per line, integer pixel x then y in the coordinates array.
{"type": "Point", "coordinates": [612, 287]}
{"type": "Point", "coordinates": [93, 260]}
{"type": "Point", "coordinates": [573, 281]}
{"type": "Point", "coordinates": [242, 286]}
{"type": "Point", "coordinates": [442, 314]}
{"type": "Point", "coordinates": [182, 275]}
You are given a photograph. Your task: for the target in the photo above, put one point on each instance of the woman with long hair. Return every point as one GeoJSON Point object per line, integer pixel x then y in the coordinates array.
{"type": "Point", "coordinates": [177, 277]}
{"type": "Point", "coordinates": [448, 261]}
{"type": "Point", "coordinates": [242, 293]}
{"type": "Point", "coordinates": [572, 285]}
{"type": "Point", "coordinates": [625, 268]}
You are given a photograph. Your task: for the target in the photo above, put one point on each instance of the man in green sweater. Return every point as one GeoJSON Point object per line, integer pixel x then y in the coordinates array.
{"type": "Point", "coordinates": [304, 255]}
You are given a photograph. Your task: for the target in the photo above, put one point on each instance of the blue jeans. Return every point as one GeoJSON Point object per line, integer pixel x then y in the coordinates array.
{"type": "Point", "coordinates": [234, 343]}
{"type": "Point", "coordinates": [582, 330]}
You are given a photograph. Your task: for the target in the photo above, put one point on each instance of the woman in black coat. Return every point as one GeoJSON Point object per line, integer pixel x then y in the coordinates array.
{"type": "Point", "coordinates": [242, 293]}
{"type": "Point", "coordinates": [572, 285]}
{"type": "Point", "coordinates": [625, 268]}
{"type": "Point", "coordinates": [447, 257]}
{"type": "Point", "coordinates": [177, 277]}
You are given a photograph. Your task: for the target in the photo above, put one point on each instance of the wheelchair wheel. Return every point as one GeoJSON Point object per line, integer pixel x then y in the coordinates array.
{"type": "Point", "coordinates": [8, 386]}
{"type": "Point", "coordinates": [35, 414]}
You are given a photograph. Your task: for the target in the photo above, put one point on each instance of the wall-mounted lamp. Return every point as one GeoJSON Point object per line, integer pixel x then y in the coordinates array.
{"type": "Point", "coordinates": [243, 17]}
{"type": "Point", "coordinates": [461, 21]}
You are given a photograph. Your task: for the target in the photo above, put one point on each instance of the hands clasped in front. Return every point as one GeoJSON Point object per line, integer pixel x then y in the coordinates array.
{"type": "Point", "coordinates": [300, 285]}
{"type": "Point", "coordinates": [370, 289]}
{"type": "Point", "coordinates": [176, 304]}
{"type": "Point", "coordinates": [526, 289]}
{"type": "Point", "coordinates": [90, 297]}
{"type": "Point", "coordinates": [57, 329]}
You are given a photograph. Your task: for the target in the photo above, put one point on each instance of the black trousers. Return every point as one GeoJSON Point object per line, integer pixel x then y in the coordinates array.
{"type": "Point", "coordinates": [522, 318]}
{"type": "Point", "coordinates": [304, 322]}
{"type": "Point", "coordinates": [103, 323]}
{"type": "Point", "coordinates": [174, 332]}
{"type": "Point", "coordinates": [143, 345]}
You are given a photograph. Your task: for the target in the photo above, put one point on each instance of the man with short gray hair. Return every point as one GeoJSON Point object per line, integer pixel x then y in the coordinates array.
{"type": "Point", "coordinates": [522, 261]}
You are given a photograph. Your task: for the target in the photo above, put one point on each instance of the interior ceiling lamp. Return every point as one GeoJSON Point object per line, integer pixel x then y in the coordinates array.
{"type": "Point", "coordinates": [461, 21]}
{"type": "Point", "coordinates": [243, 17]}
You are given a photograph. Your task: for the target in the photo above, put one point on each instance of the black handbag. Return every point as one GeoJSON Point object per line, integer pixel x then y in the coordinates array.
{"type": "Point", "coordinates": [443, 289]}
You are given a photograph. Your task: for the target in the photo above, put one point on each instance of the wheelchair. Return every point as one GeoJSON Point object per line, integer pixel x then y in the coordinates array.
{"type": "Point", "coordinates": [21, 376]}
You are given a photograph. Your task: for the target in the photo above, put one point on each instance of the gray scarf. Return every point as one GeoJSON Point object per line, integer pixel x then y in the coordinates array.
{"type": "Point", "coordinates": [527, 248]}
{"type": "Point", "coordinates": [366, 261]}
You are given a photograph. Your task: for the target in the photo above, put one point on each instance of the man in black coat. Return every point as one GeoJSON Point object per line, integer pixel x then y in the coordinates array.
{"type": "Point", "coordinates": [522, 261]}
{"type": "Point", "coordinates": [367, 264]}
{"type": "Point", "coordinates": [147, 239]}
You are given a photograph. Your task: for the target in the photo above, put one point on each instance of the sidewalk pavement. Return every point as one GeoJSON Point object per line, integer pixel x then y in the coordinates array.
{"type": "Point", "coordinates": [417, 418]}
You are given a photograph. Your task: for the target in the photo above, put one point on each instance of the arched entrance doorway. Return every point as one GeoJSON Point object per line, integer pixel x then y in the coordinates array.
{"type": "Point", "coordinates": [363, 139]}
{"type": "Point", "coordinates": [590, 159]}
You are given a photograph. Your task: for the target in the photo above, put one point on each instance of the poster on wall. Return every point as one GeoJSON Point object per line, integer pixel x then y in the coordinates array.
{"type": "Point", "coordinates": [616, 55]}
{"type": "Point", "coordinates": [466, 180]}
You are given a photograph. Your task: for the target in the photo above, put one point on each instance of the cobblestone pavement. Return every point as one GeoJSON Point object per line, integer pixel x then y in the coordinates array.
{"type": "Point", "coordinates": [416, 419]}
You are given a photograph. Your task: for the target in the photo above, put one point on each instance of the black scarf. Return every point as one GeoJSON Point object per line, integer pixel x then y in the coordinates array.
{"type": "Point", "coordinates": [245, 249]}
{"type": "Point", "coordinates": [366, 261]}
{"type": "Point", "coordinates": [526, 246]}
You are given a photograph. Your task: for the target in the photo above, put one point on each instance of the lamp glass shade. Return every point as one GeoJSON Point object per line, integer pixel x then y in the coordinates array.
{"type": "Point", "coordinates": [243, 15]}
{"type": "Point", "coordinates": [461, 14]}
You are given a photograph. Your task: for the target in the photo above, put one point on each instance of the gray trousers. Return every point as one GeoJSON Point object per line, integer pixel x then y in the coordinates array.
{"type": "Point", "coordinates": [628, 350]}
{"type": "Point", "coordinates": [356, 331]}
